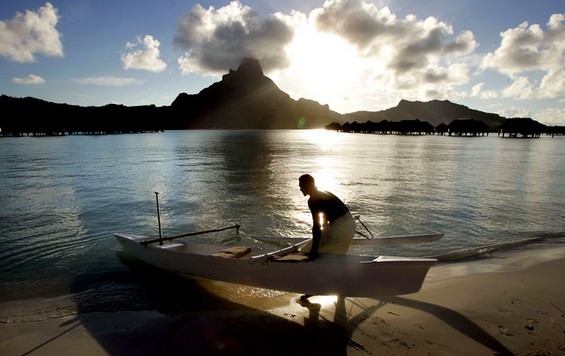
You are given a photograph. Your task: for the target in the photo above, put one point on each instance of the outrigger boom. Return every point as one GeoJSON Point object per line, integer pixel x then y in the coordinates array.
{"type": "Point", "coordinates": [170, 238]}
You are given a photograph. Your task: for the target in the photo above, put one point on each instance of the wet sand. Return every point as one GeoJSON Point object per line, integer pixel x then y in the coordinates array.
{"type": "Point", "coordinates": [518, 312]}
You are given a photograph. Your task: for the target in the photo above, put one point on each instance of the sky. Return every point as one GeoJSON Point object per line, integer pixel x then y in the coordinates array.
{"type": "Point", "coordinates": [504, 56]}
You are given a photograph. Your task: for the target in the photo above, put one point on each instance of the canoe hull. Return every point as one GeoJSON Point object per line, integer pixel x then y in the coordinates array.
{"type": "Point", "coordinates": [345, 275]}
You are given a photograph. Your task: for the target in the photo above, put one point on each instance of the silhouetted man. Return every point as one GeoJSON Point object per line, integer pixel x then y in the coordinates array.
{"type": "Point", "coordinates": [333, 226]}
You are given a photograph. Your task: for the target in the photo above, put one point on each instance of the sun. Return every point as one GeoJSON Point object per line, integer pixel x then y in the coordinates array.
{"type": "Point", "coordinates": [323, 67]}
{"type": "Point", "coordinates": [320, 57]}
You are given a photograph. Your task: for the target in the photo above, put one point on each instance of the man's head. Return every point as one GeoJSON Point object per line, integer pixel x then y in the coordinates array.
{"type": "Point", "coordinates": [306, 183]}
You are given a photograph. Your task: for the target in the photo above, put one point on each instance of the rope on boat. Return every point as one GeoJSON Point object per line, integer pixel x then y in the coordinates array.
{"type": "Point", "coordinates": [236, 227]}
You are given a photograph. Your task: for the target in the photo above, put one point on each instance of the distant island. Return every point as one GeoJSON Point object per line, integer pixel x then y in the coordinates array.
{"type": "Point", "coordinates": [244, 99]}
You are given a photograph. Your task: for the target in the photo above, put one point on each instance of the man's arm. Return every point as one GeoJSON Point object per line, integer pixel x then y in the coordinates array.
{"type": "Point", "coordinates": [313, 205]}
{"type": "Point", "coordinates": [316, 236]}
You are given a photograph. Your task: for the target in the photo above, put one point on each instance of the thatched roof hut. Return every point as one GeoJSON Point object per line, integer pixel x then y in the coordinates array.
{"type": "Point", "coordinates": [522, 127]}
{"type": "Point", "coordinates": [468, 127]}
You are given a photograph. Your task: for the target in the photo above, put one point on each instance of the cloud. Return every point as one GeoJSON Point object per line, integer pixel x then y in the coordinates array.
{"type": "Point", "coordinates": [407, 44]}
{"type": "Point", "coordinates": [529, 49]}
{"type": "Point", "coordinates": [146, 58]}
{"type": "Point", "coordinates": [519, 88]}
{"type": "Point", "coordinates": [552, 116]}
{"type": "Point", "coordinates": [514, 112]}
{"type": "Point", "coordinates": [29, 34]}
{"type": "Point", "coordinates": [107, 81]}
{"type": "Point", "coordinates": [31, 79]}
{"type": "Point", "coordinates": [217, 40]}
{"type": "Point", "coordinates": [477, 91]}
{"type": "Point", "coordinates": [423, 58]}
{"type": "Point", "coordinates": [553, 84]}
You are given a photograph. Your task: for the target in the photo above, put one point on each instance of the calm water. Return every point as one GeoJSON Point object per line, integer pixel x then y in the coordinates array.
{"type": "Point", "coordinates": [62, 198]}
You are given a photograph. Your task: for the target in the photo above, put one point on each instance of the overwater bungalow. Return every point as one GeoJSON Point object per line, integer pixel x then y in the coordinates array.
{"type": "Point", "coordinates": [522, 127]}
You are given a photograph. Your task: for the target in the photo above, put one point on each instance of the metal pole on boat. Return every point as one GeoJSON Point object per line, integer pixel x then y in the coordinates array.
{"type": "Point", "coordinates": [159, 218]}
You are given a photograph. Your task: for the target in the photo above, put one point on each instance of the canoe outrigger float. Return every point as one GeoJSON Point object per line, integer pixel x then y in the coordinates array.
{"type": "Point", "coordinates": [284, 269]}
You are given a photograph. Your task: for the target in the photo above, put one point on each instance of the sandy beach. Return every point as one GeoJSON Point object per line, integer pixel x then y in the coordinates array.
{"type": "Point", "coordinates": [518, 312]}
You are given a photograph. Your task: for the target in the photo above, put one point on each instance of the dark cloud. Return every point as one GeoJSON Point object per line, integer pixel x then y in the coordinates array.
{"type": "Point", "coordinates": [217, 40]}
{"type": "Point", "coordinates": [357, 23]}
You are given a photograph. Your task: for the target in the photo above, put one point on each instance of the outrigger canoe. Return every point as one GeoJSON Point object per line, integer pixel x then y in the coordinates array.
{"type": "Point", "coordinates": [284, 269]}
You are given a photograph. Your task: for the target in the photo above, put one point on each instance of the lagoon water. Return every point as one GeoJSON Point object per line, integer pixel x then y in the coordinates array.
{"type": "Point", "coordinates": [62, 198]}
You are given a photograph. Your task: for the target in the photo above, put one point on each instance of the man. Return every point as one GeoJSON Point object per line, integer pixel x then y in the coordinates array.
{"type": "Point", "coordinates": [333, 226]}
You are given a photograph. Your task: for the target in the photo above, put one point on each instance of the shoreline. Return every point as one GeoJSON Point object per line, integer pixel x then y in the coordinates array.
{"type": "Point", "coordinates": [502, 312]}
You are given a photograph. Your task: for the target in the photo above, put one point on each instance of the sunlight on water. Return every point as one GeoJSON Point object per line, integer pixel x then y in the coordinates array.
{"type": "Point", "coordinates": [325, 174]}
{"type": "Point", "coordinates": [325, 140]}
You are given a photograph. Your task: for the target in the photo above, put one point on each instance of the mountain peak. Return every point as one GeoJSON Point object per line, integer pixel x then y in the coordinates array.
{"type": "Point", "coordinates": [250, 66]}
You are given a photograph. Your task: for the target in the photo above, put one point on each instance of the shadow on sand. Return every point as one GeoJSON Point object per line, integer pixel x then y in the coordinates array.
{"type": "Point", "coordinates": [457, 321]}
{"type": "Point", "coordinates": [351, 312]}
{"type": "Point", "coordinates": [173, 315]}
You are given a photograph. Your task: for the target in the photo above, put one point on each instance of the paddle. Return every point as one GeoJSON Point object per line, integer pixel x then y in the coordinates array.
{"type": "Point", "coordinates": [380, 240]}
{"type": "Point", "coordinates": [278, 253]}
